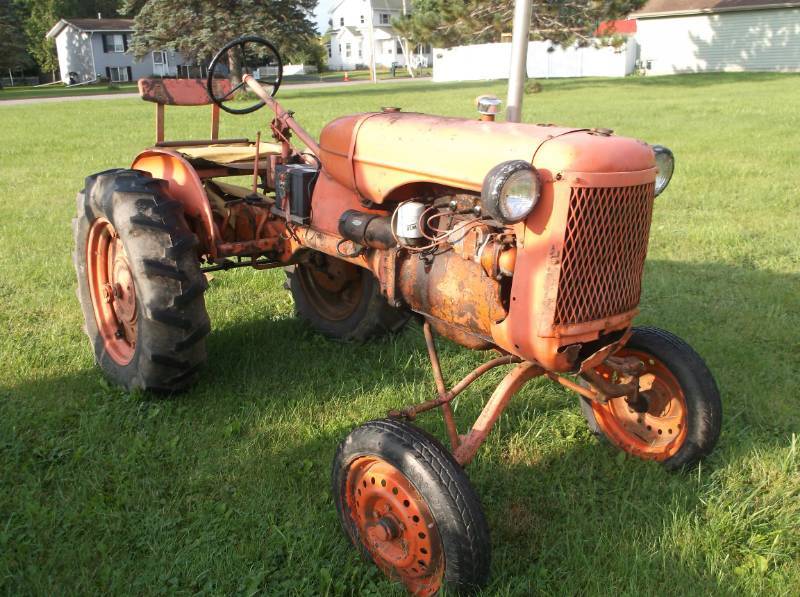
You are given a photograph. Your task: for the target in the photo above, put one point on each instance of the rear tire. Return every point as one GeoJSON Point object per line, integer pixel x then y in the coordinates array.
{"type": "Point", "coordinates": [408, 506]}
{"type": "Point", "coordinates": [680, 419]}
{"type": "Point", "coordinates": [342, 300]}
{"type": "Point", "coordinates": [139, 282]}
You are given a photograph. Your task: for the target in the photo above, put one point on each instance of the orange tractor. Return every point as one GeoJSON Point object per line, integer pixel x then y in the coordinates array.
{"type": "Point", "coordinates": [528, 240]}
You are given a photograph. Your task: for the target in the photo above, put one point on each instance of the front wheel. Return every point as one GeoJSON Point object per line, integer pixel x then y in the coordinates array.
{"type": "Point", "coordinates": [677, 417]}
{"type": "Point", "coordinates": [408, 506]}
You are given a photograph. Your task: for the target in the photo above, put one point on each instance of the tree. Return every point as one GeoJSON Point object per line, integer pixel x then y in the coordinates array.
{"type": "Point", "coordinates": [446, 23]}
{"type": "Point", "coordinates": [12, 41]}
{"type": "Point", "coordinates": [198, 28]}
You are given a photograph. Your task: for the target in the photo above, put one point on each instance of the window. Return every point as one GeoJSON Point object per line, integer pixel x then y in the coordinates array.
{"type": "Point", "coordinates": [359, 49]}
{"type": "Point", "coordinates": [159, 58]}
{"type": "Point", "coordinates": [399, 47]}
{"type": "Point", "coordinates": [115, 43]}
{"type": "Point", "coordinates": [340, 49]}
{"type": "Point", "coordinates": [192, 71]}
{"type": "Point", "coordinates": [384, 18]}
{"type": "Point", "coordinates": [362, 19]}
{"type": "Point", "coordinates": [341, 21]}
{"type": "Point", "coordinates": [347, 50]}
{"type": "Point", "coordinates": [118, 74]}
{"type": "Point", "coordinates": [330, 51]}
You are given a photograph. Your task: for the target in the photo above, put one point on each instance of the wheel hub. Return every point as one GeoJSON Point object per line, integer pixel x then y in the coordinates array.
{"type": "Point", "coordinates": [112, 290]}
{"type": "Point", "coordinates": [395, 525]}
{"type": "Point", "coordinates": [652, 426]}
{"type": "Point", "coordinates": [334, 287]}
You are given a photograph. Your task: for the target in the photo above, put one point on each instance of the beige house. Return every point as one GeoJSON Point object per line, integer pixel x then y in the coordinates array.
{"type": "Point", "coordinates": [680, 36]}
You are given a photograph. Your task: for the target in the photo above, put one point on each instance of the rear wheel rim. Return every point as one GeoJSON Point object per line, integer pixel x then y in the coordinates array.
{"type": "Point", "coordinates": [395, 524]}
{"type": "Point", "coordinates": [654, 429]}
{"type": "Point", "coordinates": [112, 290]}
{"type": "Point", "coordinates": [333, 287]}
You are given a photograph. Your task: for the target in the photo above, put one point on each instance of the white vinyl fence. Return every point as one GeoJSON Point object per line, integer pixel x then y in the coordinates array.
{"type": "Point", "coordinates": [492, 61]}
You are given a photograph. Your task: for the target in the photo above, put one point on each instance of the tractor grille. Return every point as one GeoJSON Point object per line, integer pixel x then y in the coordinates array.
{"type": "Point", "coordinates": [604, 249]}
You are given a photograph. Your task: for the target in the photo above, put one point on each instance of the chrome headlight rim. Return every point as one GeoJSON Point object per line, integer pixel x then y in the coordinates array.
{"type": "Point", "coordinates": [498, 183]}
{"type": "Point", "coordinates": [665, 167]}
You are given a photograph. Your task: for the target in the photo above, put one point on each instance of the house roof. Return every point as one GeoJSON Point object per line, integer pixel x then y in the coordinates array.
{"type": "Point", "coordinates": [659, 8]}
{"type": "Point", "coordinates": [92, 25]}
{"type": "Point", "coordinates": [376, 5]}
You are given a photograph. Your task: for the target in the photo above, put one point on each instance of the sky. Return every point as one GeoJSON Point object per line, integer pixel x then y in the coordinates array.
{"type": "Point", "coordinates": [323, 6]}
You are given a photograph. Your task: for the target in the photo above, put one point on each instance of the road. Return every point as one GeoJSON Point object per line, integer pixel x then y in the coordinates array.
{"type": "Point", "coordinates": [107, 96]}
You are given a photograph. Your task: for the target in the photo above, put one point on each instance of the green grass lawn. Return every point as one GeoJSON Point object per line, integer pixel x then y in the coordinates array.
{"type": "Point", "coordinates": [225, 490]}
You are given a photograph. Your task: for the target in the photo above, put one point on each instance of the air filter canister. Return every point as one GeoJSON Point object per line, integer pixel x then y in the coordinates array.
{"type": "Point", "coordinates": [407, 222]}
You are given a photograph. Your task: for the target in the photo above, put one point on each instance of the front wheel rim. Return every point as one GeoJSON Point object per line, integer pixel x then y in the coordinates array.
{"type": "Point", "coordinates": [112, 291]}
{"type": "Point", "coordinates": [395, 524]}
{"type": "Point", "coordinates": [655, 429]}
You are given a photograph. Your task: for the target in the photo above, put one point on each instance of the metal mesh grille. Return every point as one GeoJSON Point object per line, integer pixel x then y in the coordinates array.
{"type": "Point", "coordinates": [605, 245]}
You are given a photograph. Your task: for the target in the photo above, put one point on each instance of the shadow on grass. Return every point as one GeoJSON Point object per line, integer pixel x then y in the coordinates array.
{"type": "Point", "coordinates": [567, 514]}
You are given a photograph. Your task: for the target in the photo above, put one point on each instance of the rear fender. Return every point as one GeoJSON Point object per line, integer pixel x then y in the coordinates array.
{"type": "Point", "coordinates": [184, 186]}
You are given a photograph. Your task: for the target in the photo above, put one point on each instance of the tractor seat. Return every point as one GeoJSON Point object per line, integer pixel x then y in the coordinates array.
{"type": "Point", "coordinates": [228, 153]}
{"type": "Point", "coordinates": [235, 154]}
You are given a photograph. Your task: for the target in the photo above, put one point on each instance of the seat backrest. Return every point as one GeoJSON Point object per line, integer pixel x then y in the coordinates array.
{"type": "Point", "coordinates": [182, 92]}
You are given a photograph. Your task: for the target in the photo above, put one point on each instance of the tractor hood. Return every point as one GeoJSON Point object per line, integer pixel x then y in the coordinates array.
{"type": "Point", "coordinates": [384, 156]}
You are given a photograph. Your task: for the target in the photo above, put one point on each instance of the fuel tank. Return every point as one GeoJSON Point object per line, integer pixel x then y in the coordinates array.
{"type": "Point", "coordinates": [382, 156]}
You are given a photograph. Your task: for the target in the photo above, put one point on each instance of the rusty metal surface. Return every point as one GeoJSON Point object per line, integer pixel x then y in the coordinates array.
{"type": "Point", "coordinates": [452, 290]}
{"type": "Point", "coordinates": [509, 386]}
{"type": "Point", "coordinates": [180, 92]}
{"type": "Point", "coordinates": [447, 411]}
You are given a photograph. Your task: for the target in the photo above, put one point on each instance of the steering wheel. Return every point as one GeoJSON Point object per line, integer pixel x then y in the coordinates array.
{"type": "Point", "coordinates": [250, 55]}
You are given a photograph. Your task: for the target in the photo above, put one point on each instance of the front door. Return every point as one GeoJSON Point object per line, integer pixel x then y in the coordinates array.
{"type": "Point", "coordinates": [160, 66]}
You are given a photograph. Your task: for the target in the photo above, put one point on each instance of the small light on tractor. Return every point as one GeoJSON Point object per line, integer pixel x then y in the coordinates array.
{"type": "Point", "coordinates": [665, 163]}
{"type": "Point", "coordinates": [510, 191]}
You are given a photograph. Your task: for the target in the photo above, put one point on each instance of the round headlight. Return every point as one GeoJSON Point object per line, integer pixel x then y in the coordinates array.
{"type": "Point", "coordinates": [665, 166]}
{"type": "Point", "coordinates": [510, 191]}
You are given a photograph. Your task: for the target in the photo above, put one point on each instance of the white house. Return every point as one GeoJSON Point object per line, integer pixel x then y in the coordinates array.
{"type": "Point", "coordinates": [89, 49]}
{"type": "Point", "coordinates": [349, 45]}
{"type": "Point", "coordinates": [680, 36]}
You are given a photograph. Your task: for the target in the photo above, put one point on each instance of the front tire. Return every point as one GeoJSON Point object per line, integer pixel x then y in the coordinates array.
{"type": "Point", "coordinates": [139, 282]}
{"type": "Point", "coordinates": [678, 417]}
{"type": "Point", "coordinates": [409, 507]}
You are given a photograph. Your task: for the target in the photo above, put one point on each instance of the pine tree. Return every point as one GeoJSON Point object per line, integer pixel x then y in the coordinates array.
{"type": "Point", "coordinates": [445, 23]}
{"type": "Point", "coordinates": [12, 42]}
{"type": "Point", "coordinates": [198, 28]}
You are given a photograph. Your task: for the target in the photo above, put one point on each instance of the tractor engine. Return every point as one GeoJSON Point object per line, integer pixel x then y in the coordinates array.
{"type": "Point", "coordinates": [551, 273]}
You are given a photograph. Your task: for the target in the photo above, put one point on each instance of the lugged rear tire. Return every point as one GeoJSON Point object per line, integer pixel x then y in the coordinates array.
{"type": "Point", "coordinates": [341, 300]}
{"type": "Point", "coordinates": [156, 294]}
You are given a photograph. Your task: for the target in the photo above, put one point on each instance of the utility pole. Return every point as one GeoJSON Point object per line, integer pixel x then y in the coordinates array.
{"type": "Point", "coordinates": [519, 58]}
{"type": "Point", "coordinates": [373, 72]}
{"type": "Point", "coordinates": [404, 45]}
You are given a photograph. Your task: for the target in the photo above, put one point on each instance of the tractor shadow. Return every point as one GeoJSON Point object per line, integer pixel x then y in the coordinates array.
{"type": "Point", "coordinates": [568, 515]}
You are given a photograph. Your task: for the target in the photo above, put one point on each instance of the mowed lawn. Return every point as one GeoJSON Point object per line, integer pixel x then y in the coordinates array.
{"type": "Point", "coordinates": [225, 489]}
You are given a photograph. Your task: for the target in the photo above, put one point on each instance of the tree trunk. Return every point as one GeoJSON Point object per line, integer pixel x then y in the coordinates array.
{"type": "Point", "coordinates": [234, 66]}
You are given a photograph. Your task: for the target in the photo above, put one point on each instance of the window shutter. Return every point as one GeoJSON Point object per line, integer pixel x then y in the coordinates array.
{"type": "Point", "coordinates": [130, 74]}
{"type": "Point", "coordinates": [105, 44]}
{"type": "Point", "coordinates": [108, 73]}
{"type": "Point", "coordinates": [125, 41]}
